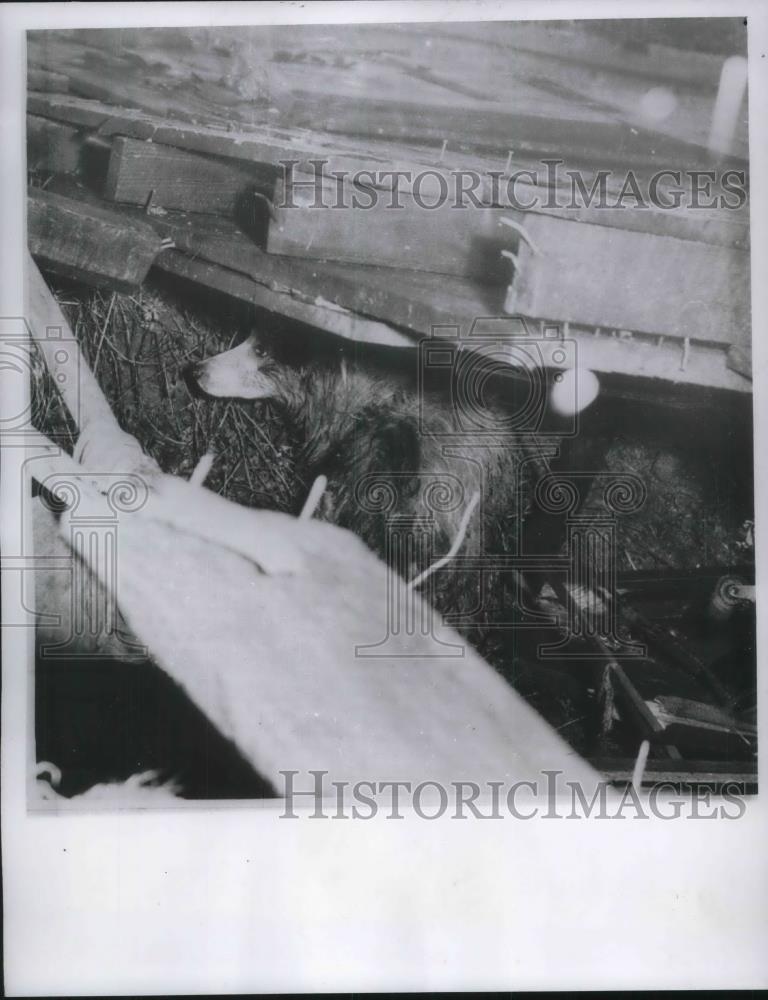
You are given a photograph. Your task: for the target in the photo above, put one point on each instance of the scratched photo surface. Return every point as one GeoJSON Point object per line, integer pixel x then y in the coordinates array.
{"type": "Point", "coordinates": [391, 409]}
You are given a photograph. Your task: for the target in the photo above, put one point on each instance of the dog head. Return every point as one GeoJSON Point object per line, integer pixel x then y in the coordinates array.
{"type": "Point", "coordinates": [238, 373]}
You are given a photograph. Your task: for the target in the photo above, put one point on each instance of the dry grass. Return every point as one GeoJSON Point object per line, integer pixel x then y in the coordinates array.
{"type": "Point", "coordinates": [138, 347]}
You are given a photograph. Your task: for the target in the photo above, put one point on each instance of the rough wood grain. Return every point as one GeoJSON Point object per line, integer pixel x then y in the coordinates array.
{"type": "Point", "coordinates": [177, 179]}
{"type": "Point", "coordinates": [87, 243]}
{"type": "Point", "coordinates": [321, 314]}
{"type": "Point", "coordinates": [580, 139]}
{"type": "Point", "coordinates": [579, 273]}
{"type": "Point", "coordinates": [425, 233]}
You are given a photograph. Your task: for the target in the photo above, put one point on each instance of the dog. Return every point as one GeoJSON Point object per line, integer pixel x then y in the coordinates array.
{"type": "Point", "coordinates": [391, 446]}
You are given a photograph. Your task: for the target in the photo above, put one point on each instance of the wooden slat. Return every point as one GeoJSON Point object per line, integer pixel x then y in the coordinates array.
{"type": "Point", "coordinates": [322, 316]}
{"type": "Point", "coordinates": [263, 144]}
{"type": "Point", "coordinates": [579, 273]}
{"type": "Point", "coordinates": [419, 302]}
{"type": "Point", "coordinates": [661, 366]}
{"type": "Point", "coordinates": [720, 227]}
{"type": "Point", "coordinates": [580, 139]}
{"type": "Point", "coordinates": [87, 243]}
{"type": "Point", "coordinates": [397, 306]}
{"type": "Point", "coordinates": [237, 642]}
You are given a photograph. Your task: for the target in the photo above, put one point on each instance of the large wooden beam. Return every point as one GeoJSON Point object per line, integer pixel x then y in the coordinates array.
{"type": "Point", "coordinates": [579, 273]}
{"type": "Point", "coordinates": [177, 179]}
{"type": "Point", "coordinates": [424, 233]}
{"type": "Point", "coordinates": [87, 243]}
{"type": "Point", "coordinates": [413, 300]}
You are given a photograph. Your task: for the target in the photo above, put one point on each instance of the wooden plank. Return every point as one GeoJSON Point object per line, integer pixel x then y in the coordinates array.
{"type": "Point", "coordinates": [53, 146]}
{"type": "Point", "coordinates": [418, 302]}
{"type": "Point", "coordinates": [264, 144]}
{"type": "Point", "coordinates": [635, 706]}
{"type": "Point", "coordinates": [490, 129]}
{"type": "Point", "coordinates": [236, 640]}
{"type": "Point", "coordinates": [177, 179]}
{"type": "Point", "coordinates": [100, 437]}
{"type": "Point", "coordinates": [442, 239]}
{"type": "Point", "coordinates": [654, 363]}
{"type": "Point", "coordinates": [415, 302]}
{"type": "Point", "coordinates": [319, 314]}
{"type": "Point", "coordinates": [650, 284]}
{"type": "Point", "coordinates": [720, 227]}
{"type": "Point", "coordinates": [88, 243]}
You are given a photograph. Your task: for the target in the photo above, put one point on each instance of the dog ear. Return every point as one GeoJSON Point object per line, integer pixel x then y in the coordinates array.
{"type": "Point", "coordinates": [238, 373]}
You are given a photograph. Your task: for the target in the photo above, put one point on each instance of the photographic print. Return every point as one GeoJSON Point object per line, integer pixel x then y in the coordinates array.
{"type": "Point", "coordinates": [389, 446]}
{"type": "Point", "coordinates": [475, 294]}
